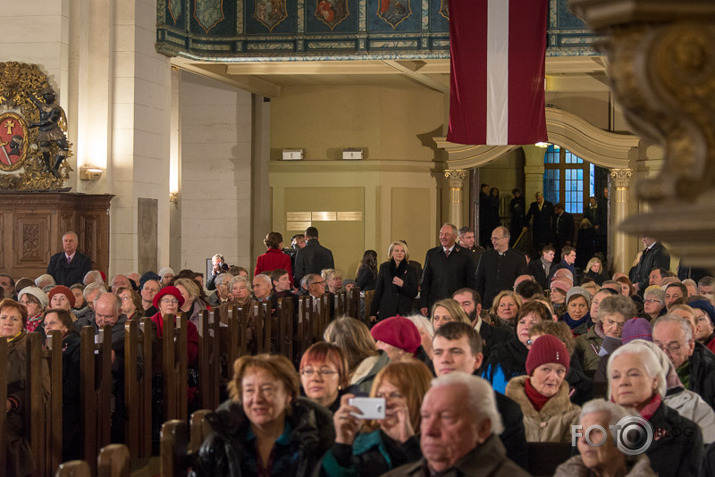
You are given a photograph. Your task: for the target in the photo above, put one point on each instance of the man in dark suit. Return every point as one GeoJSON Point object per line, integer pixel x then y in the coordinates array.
{"type": "Point", "coordinates": [541, 269]}
{"type": "Point", "coordinates": [448, 267]}
{"type": "Point", "coordinates": [313, 258]}
{"type": "Point", "coordinates": [466, 240]}
{"type": "Point", "coordinates": [540, 217]}
{"type": "Point", "coordinates": [69, 266]}
{"type": "Point", "coordinates": [655, 255]}
{"type": "Point", "coordinates": [563, 228]}
{"type": "Point", "coordinates": [499, 267]}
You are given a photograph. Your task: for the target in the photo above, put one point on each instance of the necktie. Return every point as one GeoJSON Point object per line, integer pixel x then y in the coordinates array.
{"type": "Point", "coordinates": [69, 260]}
{"type": "Point", "coordinates": [446, 253]}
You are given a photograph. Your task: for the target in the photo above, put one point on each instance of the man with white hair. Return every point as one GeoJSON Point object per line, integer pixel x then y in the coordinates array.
{"type": "Point", "coordinates": [606, 459]}
{"type": "Point", "coordinates": [693, 362]}
{"type": "Point", "coordinates": [459, 431]}
{"type": "Point", "coordinates": [92, 276]}
{"type": "Point", "coordinates": [69, 266]}
{"type": "Point", "coordinates": [262, 287]}
{"type": "Point", "coordinates": [223, 290]}
{"type": "Point", "coordinates": [45, 280]}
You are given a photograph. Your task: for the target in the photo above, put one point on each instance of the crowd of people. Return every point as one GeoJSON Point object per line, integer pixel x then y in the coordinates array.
{"type": "Point", "coordinates": [469, 356]}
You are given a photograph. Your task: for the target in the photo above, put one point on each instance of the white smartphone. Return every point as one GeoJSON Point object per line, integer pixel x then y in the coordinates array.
{"type": "Point", "coordinates": [371, 408]}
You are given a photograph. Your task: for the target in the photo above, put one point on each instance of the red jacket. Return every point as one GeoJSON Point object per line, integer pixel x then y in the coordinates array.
{"type": "Point", "coordinates": [273, 259]}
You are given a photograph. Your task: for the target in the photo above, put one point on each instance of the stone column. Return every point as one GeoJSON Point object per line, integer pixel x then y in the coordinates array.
{"type": "Point", "coordinates": [455, 177]}
{"type": "Point", "coordinates": [533, 172]}
{"type": "Point", "coordinates": [620, 179]}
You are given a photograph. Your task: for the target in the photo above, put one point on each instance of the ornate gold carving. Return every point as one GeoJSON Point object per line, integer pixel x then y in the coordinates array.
{"type": "Point", "coordinates": [21, 85]}
{"type": "Point", "coordinates": [455, 177]}
{"type": "Point", "coordinates": [621, 177]}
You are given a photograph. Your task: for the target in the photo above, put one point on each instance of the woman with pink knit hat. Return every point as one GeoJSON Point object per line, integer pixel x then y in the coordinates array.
{"type": "Point", "coordinates": [543, 395]}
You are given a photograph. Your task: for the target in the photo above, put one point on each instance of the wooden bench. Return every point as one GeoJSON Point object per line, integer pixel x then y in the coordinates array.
{"type": "Point", "coordinates": [137, 388]}
{"type": "Point", "coordinates": [112, 461]}
{"type": "Point", "coordinates": [178, 450]}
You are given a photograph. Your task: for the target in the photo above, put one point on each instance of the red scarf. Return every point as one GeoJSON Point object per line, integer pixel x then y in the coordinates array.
{"type": "Point", "coordinates": [537, 399]}
{"type": "Point", "coordinates": [650, 408]}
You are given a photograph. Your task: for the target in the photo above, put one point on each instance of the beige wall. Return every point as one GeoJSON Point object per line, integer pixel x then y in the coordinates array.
{"type": "Point", "coordinates": [397, 200]}
{"type": "Point", "coordinates": [215, 173]}
{"type": "Point", "coordinates": [387, 122]}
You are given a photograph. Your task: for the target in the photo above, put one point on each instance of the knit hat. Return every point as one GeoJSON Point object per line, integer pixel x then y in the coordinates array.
{"type": "Point", "coordinates": [547, 349]}
{"type": "Point", "coordinates": [398, 332]}
{"type": "Point", "coordinates": [579, 291]}
{"type": "Point", "coordinates": [706, 306]}
{"type": "Point", "coordinates": [63, 290]}
{"type": "Point", "coordinates": [37, 293]}
{"type": "Point", "coordinates": [560, 284]}
{"type": "Point", "coordinates": [166, 270]}
{"type": "Point", "coordinates": [148, 276]}
{"type": "Point", "coordinates": [170, 290]}
{"type": "Point", "coordinates": [636, 329]}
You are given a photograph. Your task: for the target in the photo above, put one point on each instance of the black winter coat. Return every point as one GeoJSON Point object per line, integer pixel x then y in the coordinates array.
{"type": "Point", "coordinates": [497, 272]}
{"type": "Point", "coordinates": [656, 257]}
{"type": "Point", "coordinates": [389, 299]}
{"type": "Point", "coordinates": [702, 373]}
{"type": "Point", "coordinates": [444, 275]}
{"type": "Point", "coordinates": [677, 446]}
{"type": "Point", "coordinates": [311, 259]}
{"type": "Point", "coordinates": [225, 451]}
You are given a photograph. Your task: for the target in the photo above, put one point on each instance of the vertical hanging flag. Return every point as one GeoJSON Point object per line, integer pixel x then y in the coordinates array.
{"type": "Point", "coordinates": [497, 71]}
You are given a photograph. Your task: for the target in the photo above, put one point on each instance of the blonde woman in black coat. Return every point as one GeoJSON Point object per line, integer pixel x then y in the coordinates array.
{"type": "Point", "coordinates": [396, 286]}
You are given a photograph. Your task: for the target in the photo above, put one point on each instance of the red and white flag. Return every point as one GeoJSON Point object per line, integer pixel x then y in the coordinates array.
{"type": "Point", "coordinates": [497, 71]}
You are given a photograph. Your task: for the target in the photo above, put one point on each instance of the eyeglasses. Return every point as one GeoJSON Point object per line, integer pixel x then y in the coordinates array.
{"type": "Point", "coordinates": [26, 302]}
{"type": "Point", "coordinates": [321, 372]}
{"type": "Point", "coordinates": [169, 301]}
{"type": "Point", "coordinates": [673, 347]}
{"type": "Point", "coordinates": [317, 283]}
{"type": "Point", "coordinates": [494, 239]}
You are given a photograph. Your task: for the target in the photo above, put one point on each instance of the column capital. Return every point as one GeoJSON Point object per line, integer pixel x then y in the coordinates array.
{"type": "Point", "coordinates": [621, 177]}
{"type": "Point", "coordinates": [455, 177]}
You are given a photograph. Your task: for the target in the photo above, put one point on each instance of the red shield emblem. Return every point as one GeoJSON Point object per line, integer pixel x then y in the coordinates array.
{"type": "Point", "coordinates": [394, 11]}
{"type": "Point", "coordinates": [332, 12]}
{"type": "Point", "coordinates": [13, 141]}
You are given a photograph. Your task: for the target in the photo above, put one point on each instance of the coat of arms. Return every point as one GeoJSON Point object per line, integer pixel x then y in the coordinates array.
{"type": "Point", "coordinates": [33, 141]}
{"type": "Point", "coordinates": [394, 11]}
{"type": "Point", "coordinates": [270, 12]}
{"type": "Point", "coordinates": [332, 12]}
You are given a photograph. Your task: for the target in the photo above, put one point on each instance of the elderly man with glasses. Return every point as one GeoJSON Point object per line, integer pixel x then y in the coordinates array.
{"type": "Point", "coordinates": [694, 363]}
{"type": "Point", "coordinates": [499, 267]}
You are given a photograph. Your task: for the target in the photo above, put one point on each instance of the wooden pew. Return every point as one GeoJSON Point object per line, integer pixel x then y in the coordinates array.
{"type": "Point", "coordinates": [177, 448]}
{"type": "Point", "coordinates": [3, 398]}
{"type": "Point", "coordinates": [209, 360]}
{"type": "Point", "coordinates": [95, 389]}
{"type": "Point", "coordinates": [44, 419]}
{"type": "Point", "coordinates": [369, 297]}
{"type": "Point", "coordinates": [285, 323]}
{"type": "Point", "coordinates": [174, 367]}
{"type": "Point", "coordinates": [113, 461]}
{"type": "Point", "coordinates": [137, 389]}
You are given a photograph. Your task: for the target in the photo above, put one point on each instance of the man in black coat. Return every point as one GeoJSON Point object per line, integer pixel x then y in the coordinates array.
{"type": "Point", "coordinates": [313, 258]}
{"type": "Point", "coordinates": [563, 228]}
{"type": "Point", "coordinates": [655, 255]}
{"type": "Point", "coordinates": [499, 267]}
{"type": "Point", "coordinates": [467, 241]}
{"type": "Point", "coordinates": [540, 269]}
{"type": "Point", "coordinates": [540, 215]}
{"type": "Point", "coordinates": [69, 266]}
{"type": "Point", "coordinates": [448, 267]}
{"type": "Point", "coordinates": [458, 347]}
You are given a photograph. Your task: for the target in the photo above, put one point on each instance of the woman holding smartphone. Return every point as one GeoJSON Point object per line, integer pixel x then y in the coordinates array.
{"type": "Point", "coordinates": [360, 447]}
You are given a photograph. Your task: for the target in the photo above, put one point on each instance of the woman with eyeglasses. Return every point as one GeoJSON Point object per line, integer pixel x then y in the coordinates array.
{"type": "Point", "coordinates": [35, 301]}
{"type": "Point", "coordinates": [324, 374]}
{"type": "Point", "coordinates": [371, 448]}
{"type": "Point", "coordinates": [168, 301]}
{"type": "Point", "coordinates": [131, 303]}
{"type": "Point", "coordinates": [508, 359]}
{"type": "Point", "coordinates": [266, 428]}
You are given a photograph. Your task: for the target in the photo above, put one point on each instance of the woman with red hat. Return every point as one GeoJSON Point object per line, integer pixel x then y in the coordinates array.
{"type": "Point", "coordinates": [543, 395]}
{"type": "Point", "coordinates": [168, 301]}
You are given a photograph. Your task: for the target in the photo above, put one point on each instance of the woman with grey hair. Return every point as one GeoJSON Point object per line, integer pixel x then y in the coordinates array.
{"type": "Point", "coordinates": [636, 380]}
{"type": "Point", "coordinates": [606, 459]}
{"type": "Point", "coordinates": [653, 303]}
{"type": "Point", "coordinates": [613, 311]}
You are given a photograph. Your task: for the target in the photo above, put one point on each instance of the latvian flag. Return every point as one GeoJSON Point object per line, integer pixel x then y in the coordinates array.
{"type": "Point", "coordinates": [497, 71]}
